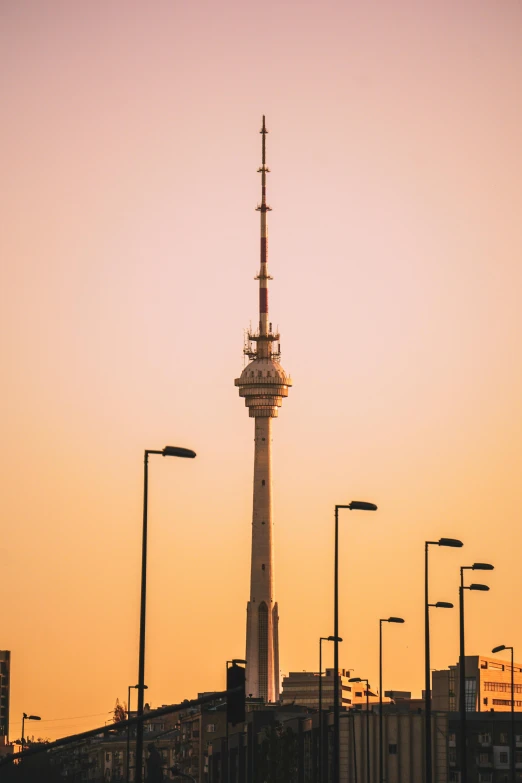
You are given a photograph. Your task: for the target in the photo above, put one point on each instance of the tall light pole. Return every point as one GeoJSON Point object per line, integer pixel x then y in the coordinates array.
{"type": "Point", "coordinates": [128, 728]}
{"type": "Point", "coordinates": [168, 451]}
{"type": "Point", "coordinates": [24, 718]}
{"type": "Point", "coordinates": [322, 639]}
{"type": "Point", "coordinates": [462, 663]}
{"type": "Point", "coordinates": [452, 542]}
{"type": "Point", "coordinates": [513, 739]}
{"type": "Point", "coordinates": [381, 759]}
{"type": "Point", "coordinates": [363, 679]}
{"type": "Point", "coordinates": [234, 661]}
{"type": "Point", "coordinates": [355, 505]}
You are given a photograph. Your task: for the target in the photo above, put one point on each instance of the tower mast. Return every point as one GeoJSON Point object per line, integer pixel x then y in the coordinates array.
{"type": "Point", "coordinates": [263, 276]}
{"type": "Point", "coordinates": [263, 384]}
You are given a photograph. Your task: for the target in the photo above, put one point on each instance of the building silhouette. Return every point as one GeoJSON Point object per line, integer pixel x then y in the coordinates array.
{"type": "Point", "coordinates": [5, 668]}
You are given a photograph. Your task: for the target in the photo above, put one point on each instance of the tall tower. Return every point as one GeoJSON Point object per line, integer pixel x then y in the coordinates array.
{"type": "Point", "coordinates": [263, 383]}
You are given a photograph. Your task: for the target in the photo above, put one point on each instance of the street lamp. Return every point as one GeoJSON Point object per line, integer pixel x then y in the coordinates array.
{"type": "Point", "coordinates": [234, 661]}
{"type": "Point", "coordinates": [462, 663]}
{"type": "Point", "coordinates": [322, 639]}
{"type": "Point", "coordinates": [355, 505]}
{"type": "Point", "coordinates": [363, 679]}
{"type": "Point", "coordinates": [452, 542]}
{"type": "Point", "coordinates": [24, 718]}
{"type": "Point", "coordinates": [128, 727]}
{"type": "Point", "coordinates": [168, 451]}
{"type": "Point", "coordinates": [513, 741]}
{"type": "Point", "coordinates": [381, 759]}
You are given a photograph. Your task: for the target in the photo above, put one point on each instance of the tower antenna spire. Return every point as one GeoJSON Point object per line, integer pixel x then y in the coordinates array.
{"type": "Point", "coordinates": [264, 132]}
{"type": "Point", "coordinates": [263, 276]}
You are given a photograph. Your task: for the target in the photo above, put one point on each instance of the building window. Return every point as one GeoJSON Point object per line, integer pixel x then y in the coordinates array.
{"type": "Point", "coordinates": [485, 701]}
{"type": "Point", "coordinates": [502, 687]}
{"type": "Point", "coordinates": [471, 694]}
{"type": "Point", "coordinates": [503, 757]}
{"type": "Point", "coordinates": [262, 482]}
{"type": "Point", "coordinates": [484, 739]}
{"type": "Point", "coordinates": [263, 567]}
{"type": "Point", "coordinates": [211, 727]}
{"type": "Point", "coordinates": [503, 738]}
{"type": "Point", "coordinates": [392, 749]}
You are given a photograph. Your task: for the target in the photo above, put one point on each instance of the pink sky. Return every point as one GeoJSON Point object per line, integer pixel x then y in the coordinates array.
{"type": "Point", "coordinates": [130, 147]}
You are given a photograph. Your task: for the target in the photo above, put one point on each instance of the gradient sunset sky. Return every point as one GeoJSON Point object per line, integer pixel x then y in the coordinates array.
{"type": "Point", "coordinates": [129, 153]}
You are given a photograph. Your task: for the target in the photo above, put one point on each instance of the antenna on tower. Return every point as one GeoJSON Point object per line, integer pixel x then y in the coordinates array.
{"type": "Point", "coordinates": [264, 131]}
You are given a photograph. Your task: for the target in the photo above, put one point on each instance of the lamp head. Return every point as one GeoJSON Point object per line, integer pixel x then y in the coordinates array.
{"type": "Point", "coordinates": [482, 567]}
{"type": "Point", "coordinates": [499, 648]}
{"type": "Point", "coordinates": [33, 717]}
{"type": "Point", "coordinates": [361, 505]}
{"type": "Point", "coordinates": [334, 639]}
{"type": "Point", "coordinates": [177, 451]}
{"type": "Point", "coordinates": [238, 660]}
{"type": "Point", "coordinates": [395, 620]}
{"type": "Point", "coordinates": [484, 588]}
{"type": "Point", "coordinates": [355, 679]}
{"type": "Point", "coordinates": [443, 605]}
{"type": "Point", "coordinates": [450, 542]}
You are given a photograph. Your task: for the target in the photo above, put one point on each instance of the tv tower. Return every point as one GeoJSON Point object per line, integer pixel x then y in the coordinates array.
{"type": "Point", "coordinates": [263, 383]}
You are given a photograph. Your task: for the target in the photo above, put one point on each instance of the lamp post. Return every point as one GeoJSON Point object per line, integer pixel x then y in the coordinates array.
{"type": "Point", "coordinates": [513, 739]}
{"type": "Point", "coordinates": [322, 639]}
{"type": "Point", "coordinates": [452, 542]}
{"type": "Point", "coordinates": [355, 505]}
{"type": "Point", "coordinates": [381, 759]}
{"type": "Point", "coordinates": [168, 451]}
{"type": "Point", "coordinates": [363, 679]}
{"type": "Point", "coordinates": [128, 728]}
{"type": "Point", "coordinates": [24, 718]}
{"type": "Point", "coordinates": [462, 663]}
{"type": "Point", "coordinates": [234, 661]}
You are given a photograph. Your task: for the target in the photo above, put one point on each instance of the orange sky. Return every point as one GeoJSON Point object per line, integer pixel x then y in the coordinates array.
{"type": "Point", "coordinates": [130, 147]}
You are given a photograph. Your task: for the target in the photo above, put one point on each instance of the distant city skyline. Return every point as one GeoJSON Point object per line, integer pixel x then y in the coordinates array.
{"type": "Point", "coordinates": [130, 142]}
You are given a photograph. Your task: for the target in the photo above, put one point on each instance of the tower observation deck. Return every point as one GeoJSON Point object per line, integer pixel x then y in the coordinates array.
{"type": "Point", "coordinates": [263, 384]}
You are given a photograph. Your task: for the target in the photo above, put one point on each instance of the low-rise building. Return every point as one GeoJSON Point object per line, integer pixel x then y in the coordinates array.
{"type": "Point", "coordinates": [488, 685]}
{"type": "Point", "coordinates": [278, 744]}
{"type": "Point", "coordinates": [302, 688]}
{"type": "Point", "coordinates": [489, 752]}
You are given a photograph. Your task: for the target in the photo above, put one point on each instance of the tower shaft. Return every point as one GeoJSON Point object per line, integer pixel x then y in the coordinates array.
{"type": "Point", "coordinates": [262, 654]}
